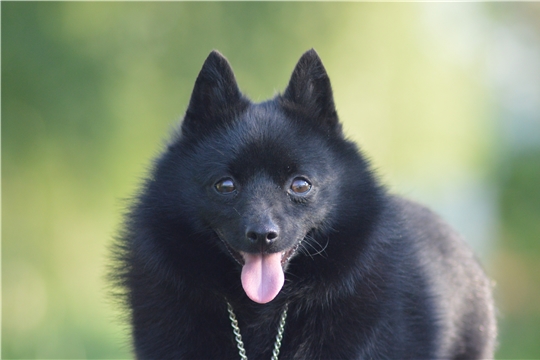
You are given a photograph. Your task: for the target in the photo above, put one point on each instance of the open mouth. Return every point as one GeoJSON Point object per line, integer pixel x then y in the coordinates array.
{"type": "Point", "coordinates": [263, 274]}
{"type": "Point", "coordinates": [239, 257]}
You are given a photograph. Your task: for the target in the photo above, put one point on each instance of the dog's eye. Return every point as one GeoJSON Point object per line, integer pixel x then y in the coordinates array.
{"type": "Point", "coordinates": [300, 186]}
{"type": "Point", "coordinates": [225, 186]}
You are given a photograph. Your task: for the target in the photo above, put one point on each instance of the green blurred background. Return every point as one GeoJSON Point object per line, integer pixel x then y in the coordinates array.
{"type": "Point", "coordinates": [444, 98]}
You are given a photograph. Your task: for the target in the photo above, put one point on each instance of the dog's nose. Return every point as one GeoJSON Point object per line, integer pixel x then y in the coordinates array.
{"type": "Point", "coordinates": [263, 235]}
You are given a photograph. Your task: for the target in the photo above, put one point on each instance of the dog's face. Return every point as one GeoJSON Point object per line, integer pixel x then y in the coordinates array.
{"type": "Point", "coordinates": [265, 196]}
{"type": "Point", "coordinates": [264, 175]}
{"type": "Point", "coordinates": [266, 193]}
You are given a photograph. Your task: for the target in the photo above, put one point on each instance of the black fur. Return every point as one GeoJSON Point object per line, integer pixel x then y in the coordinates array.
{"type": "Point", "coordinates": [372, 276]}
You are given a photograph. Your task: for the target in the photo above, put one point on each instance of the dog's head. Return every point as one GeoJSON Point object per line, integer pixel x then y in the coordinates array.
{"type": "Point", "coordinates": [263, 177]}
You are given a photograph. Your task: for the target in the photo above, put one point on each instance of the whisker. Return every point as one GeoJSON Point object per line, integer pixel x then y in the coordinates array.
{"type": "Point", "coordinates": [316, 246]}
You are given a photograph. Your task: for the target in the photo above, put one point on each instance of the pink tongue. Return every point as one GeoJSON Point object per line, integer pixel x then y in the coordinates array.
{"type": "Point", "coordinates": [262, 276]}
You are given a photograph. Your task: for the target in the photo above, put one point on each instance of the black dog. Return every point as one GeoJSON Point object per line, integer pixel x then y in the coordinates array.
{"type": "Point", "coordinates": [263, 219]}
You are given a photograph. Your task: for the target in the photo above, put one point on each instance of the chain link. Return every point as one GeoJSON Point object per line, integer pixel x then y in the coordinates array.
{"type": "Point", "coordinates": [238, 336]}
{"type": "Point", "coordinates": [236, 331]}
{"type": "Point", "coordinates": [279, 336]}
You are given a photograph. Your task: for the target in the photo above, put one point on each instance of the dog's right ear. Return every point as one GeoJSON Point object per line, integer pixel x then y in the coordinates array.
{"type": "Point", "coordinates": [215, 98]}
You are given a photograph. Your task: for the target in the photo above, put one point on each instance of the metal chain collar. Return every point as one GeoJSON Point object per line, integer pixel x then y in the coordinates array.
{"type": "Point", "coordinates": [238, 336]}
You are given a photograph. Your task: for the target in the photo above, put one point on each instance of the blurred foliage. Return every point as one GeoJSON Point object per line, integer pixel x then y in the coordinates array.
{"type": "Point", "coordinates": [520, 203]}
{"type": "Point", "coordinates": [90, 90]}
{"type": "Point", "coordinates": [518, 269]}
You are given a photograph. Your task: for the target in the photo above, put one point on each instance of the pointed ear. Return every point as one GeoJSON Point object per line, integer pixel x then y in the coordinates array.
{"type": "Point", "coordinates": [215, 98]}
{"type": "Point", "coordinates": [309, 89]}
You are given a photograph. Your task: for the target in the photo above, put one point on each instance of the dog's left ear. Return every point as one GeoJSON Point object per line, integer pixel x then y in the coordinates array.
{"type": "Point", "coordinates": [309, 89]}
